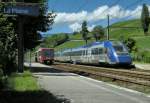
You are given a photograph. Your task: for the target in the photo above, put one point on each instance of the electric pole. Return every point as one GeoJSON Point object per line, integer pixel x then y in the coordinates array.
{"type": "Point", "coordinates": [108, 27]}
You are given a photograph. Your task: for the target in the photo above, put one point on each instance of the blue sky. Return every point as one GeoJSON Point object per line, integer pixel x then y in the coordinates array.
{"type": "Point", "coordinates": [71, 13]}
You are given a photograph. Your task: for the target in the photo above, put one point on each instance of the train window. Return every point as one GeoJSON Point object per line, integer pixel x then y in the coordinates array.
{"type": "Point", "coordinates": [100, 50]}
{"type": "Point", "coordinates": [95, 51]}
{"type": "Point", "coordinates": [118, 48]}
{"type": "Point", "coordinates": [84, 52]}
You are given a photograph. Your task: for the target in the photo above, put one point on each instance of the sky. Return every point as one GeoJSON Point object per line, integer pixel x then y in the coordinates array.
{"type": "Point", "coordinates": [71, 13]}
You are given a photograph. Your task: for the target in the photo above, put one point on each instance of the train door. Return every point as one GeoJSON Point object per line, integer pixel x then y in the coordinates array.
{"type": "Point", "coordinates": [89, 55]}
{"type": "Point", "coordinates": [103, 55]}
{"type": "Point", "coordinates": [95, 55]}
{"type": "Point", "coordinates": [84, 56]}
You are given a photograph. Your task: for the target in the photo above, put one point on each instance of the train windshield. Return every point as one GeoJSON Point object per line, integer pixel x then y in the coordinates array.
{"type": "Point", "coordinates": [120, 49]}
{"type": "Point", "coordinates": [48, 53]}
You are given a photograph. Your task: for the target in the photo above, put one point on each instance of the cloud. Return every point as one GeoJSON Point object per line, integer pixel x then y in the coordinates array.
{"type": "Point", "coordinates": [70, 17]}
{"type": "Point", "coordinates": [74, 20]}
{"type": "Point", "coordinates": [75, 27]}
{"type": "Point", "coordinates": [90, 28]}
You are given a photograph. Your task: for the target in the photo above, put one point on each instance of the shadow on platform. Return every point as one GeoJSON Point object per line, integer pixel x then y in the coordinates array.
{"type": "Point", "coordinates": [40, 96]}
{"type": "Point", "coordinates": [49, 71]}
{"type": "Point", "coordinates": [45, 70]}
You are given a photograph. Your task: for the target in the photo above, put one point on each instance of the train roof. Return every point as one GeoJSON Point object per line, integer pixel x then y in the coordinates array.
{"type": "Point", "coordinates": [106, 42]}
{"type": "Point", "coordinates": [45, 49]}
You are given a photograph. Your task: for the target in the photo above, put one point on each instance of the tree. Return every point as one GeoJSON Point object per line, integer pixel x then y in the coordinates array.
{"type": "Point", "coordinates": [34, 24]}
{"type": "Point", "coordinates": [8, 44]}
{"type": "Point", "coordinates": [145, 18]}
{"type": "Point", "coordinates": [98, 32]}
{"type": "Point", "coordinates": [84, 31]}
{"type": "Point", "coordinates": [131, 44]}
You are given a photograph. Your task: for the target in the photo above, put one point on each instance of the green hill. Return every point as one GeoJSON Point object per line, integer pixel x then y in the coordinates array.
{"type": "Point", "coordinates": [125, 32]}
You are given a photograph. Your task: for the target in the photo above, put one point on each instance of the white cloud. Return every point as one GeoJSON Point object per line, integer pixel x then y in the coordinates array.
{"type": "Point", "coordinates": [90, 28]}
{"type": "Point", "coordinates": [70, 17]}
{"type": "Point", "coordinates": [74, 20]}
{"type": "Point", "coordinates": [75, 27]}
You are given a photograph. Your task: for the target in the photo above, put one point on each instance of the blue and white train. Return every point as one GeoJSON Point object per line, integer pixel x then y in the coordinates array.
{"type": "Point", "coordinates": [108, 52]}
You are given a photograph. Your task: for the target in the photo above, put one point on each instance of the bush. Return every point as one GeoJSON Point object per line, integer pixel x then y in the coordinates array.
{"type": "Point", "coordinates": [131, 44]}
{"type": "Point", "coordinates": [1, 78]}
{"type": "Point", "coordinates": [142, 56]}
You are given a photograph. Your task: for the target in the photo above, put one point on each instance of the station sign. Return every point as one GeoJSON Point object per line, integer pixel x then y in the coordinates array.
{"type": "Point", "coordinates": [29, 10]}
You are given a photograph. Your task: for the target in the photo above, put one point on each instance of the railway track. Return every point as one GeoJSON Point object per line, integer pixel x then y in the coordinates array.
{"type": "Point", "coordinates": [130, 76]}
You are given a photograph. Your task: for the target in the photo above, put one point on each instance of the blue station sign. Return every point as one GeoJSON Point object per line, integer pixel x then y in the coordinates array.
{"type": "Point", "coordinates": [30, 10]}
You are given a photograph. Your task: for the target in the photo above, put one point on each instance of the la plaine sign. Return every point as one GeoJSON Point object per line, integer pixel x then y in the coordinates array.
{"type": "Point", "coordinates": [29, 10]}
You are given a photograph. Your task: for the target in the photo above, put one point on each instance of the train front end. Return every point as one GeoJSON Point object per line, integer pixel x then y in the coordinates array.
{"type": "Point", "coordinates": [121, 54]}
{"type": "Point", "coordinates": [47, 55]}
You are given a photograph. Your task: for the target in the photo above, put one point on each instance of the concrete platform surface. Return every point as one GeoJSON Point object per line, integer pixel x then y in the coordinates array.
{"type": "Point", "coordinates": [78, 89]}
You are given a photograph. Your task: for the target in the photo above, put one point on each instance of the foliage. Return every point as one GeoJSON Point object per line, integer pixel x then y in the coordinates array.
{"type": "Point", "coordinates": [8, 44]}
{"type": "Point", "coordinates": [145, 18]}
{"type": "Point", "coordinates": [84, 31]}
{"type": "Point", "coordinates": [75, 33]}
{"type": "Point", "coordinates": [32, 25]}
{"type": "Point", "coordinates": [55, 40]}
{"type": "Point", "coordinates": [131, 44]}
{"type": "Point", "coordinates": [98, 32]}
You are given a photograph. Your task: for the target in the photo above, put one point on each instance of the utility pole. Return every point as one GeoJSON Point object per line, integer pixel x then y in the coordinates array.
{"type": "Point", "coordinates": [20, 42]}
{"type": "Point", "coordinates": [108, 27]}
{"type": "Point", "coordinates": [20, 45]}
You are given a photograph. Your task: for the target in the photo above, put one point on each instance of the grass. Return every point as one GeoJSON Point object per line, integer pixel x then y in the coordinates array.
{"type": "Point", "coordinates": [143, 42]}
{"type": "Point", "coordinates": [23, 82]}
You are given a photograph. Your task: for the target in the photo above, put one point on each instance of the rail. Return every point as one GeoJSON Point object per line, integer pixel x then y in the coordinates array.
{"type": "Point", "coordinates": [135, 77]}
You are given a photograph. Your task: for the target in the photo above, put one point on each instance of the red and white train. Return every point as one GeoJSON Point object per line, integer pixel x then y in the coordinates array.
{"type": "Point", "coordinates": [44, 55]}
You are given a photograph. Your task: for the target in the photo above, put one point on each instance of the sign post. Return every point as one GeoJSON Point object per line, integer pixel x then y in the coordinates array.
{"type": "Point", "coordinates": [21, 9]}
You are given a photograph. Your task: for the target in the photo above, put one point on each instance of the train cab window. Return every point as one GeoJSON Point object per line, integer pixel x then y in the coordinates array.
{"type": "Point", "coordinates": [120, 49]}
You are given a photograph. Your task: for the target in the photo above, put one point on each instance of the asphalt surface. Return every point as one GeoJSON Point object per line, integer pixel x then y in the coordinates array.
{"type": "Point", "coordinates": [78, 89]}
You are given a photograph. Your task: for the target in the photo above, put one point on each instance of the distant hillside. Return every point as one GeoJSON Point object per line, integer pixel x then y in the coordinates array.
{"type": "Point", "coordinates": [143, 42]}
{"type": "Point", "coordinates": [124, 31]}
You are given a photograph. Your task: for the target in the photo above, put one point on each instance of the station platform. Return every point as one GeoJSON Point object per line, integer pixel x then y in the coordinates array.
{"type": "Point", "coordinates": [78, 89]}
{"type": "Point", "coordinates": [142, 66]}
